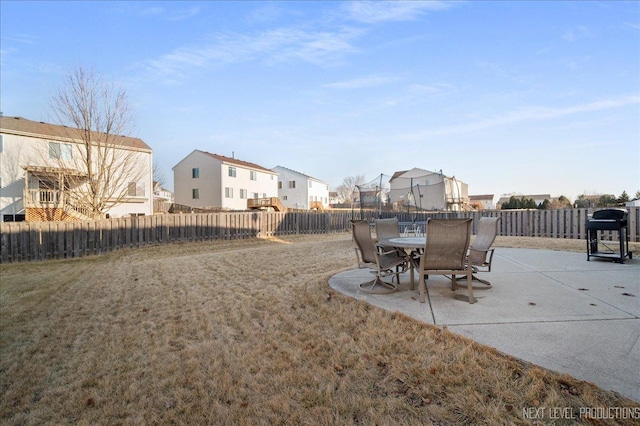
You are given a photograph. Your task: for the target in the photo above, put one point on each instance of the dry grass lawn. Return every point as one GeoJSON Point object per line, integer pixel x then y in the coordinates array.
{"type": "Point", "coordinates": [248, 332]}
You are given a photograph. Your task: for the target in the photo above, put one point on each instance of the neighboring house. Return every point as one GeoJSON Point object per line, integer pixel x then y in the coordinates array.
{"type": "Point", "coordinates": [299, 191]}
{"type": "Point", "coordinates": [205, 180]}
{"type": "Point", "coordinates": [41, 177]}
{"type": "Point", "coordinates": [482, 202]}
{"type": "Point", "coordinates": [334, 198]}
{"type": "Point", "coordinates": [537, 198]}
{"type": "Point", "coordinates": [373, 199]}
{"type": "Point", "coordinates": [162, 198]}
{"type": "Point", "coordinates": [427, 190]}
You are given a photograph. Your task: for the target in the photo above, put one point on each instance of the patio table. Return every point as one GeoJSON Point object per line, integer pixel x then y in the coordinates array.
{"type": "Point", "coordinates": [410, 245]}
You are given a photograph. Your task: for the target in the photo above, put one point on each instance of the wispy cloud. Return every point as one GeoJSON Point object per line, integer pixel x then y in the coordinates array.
{"type": "Point", "coordinates": [184, 14]}
{"type": "Point", "coordinates": [168, 15]}
{"type": "Point", "coordinates": [380, 11]}
{"type": "Point", "coordinates": [20, 38]}
{"type": "Point", "coordinates": [576, 34]}
{"type": "Point", "coordinates": [362, 82]}
{"type": "Point", "coordinates": [278, 45]}
{"type": "Point", "coordinates": [525, 114]}
{"type": "Point", "coordinates": [151, 11]}
{"type": "Point", "coordinates": [423, 89]}
{"type": "Point", "coordinates": [633, 25]}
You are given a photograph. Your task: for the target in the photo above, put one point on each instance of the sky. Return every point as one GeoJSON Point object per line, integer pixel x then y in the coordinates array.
{"type": "Point", "coordinates": [539, 97]}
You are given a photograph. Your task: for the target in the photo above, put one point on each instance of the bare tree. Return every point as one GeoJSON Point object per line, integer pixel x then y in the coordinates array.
{"type": "Point", "coordinates": [104, 165]}
{"type": "Point", "coordinates": [158, 175]}
{"type": "Point", "coordinates": [348, 186]}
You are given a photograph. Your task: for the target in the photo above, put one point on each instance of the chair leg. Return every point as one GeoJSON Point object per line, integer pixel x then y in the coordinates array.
{"type": "Point", "coordinates": [369, 286]}
{"type": "Point", "coordinates": [470, 287]}
{"type": "Point", "coordinates": [422, 286]}
{"type": "Point", "coordinates": [485, 282]}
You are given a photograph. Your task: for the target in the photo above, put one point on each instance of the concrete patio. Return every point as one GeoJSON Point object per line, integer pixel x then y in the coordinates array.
{"type": "Point", "coordinates": [554, 309]}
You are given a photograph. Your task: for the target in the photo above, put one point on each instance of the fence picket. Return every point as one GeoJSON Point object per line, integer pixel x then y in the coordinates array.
{"type": "Point", "coordinates": [25, 241]}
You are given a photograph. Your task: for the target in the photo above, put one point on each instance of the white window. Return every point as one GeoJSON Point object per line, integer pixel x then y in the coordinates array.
{"type": "Point", "coordinates": [195, 193]}
{"type": "Point", "coordinates": [232, 171]}
{"type": "Point", "coordinates": [256, 195]}
{"type": "Point", "coordinates": [243, 193]}
{"type": "Point", "coordinates": [292, 184]}
{"type": "Point", "coordinates": [285, 198]}
{"type": "Point", "coordinates": [280, 184]}
{"type": "Point", "coordinates": [60, 151]}
{"type": "Point", "coordinates": [228, 192]}
{"type": "Point", "coordinates": [253, 175]}
{"type": "Point", "coordinates": [195, 172]}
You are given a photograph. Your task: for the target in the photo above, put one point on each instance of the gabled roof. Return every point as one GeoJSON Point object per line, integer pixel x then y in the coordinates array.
{"type": "Point", "coordinates": [237, 162]}
{"type": "Point", "coordinates": [24, 127]}
{"type": "Point", "coordinates": [301, 174]}
{"type": "Point", "coordinates": [402, 172]}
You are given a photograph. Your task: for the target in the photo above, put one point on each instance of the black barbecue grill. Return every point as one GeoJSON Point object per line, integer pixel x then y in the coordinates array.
{"type": "Point", "coordinates": [614, 220]}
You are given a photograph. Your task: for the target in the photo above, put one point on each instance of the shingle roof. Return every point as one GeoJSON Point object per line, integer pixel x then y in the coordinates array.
{"type": "Point", "coordinates": [237, 162]}
{"type": "Point", "coordinates": [25, 127]}
{"type": "Point", "coordinates": [399, 174]}
{"type": "Point", "coordinates": [301, 174]}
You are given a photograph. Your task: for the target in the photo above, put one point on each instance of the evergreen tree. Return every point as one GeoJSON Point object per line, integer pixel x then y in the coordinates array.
{"type": "Point", "coordinates": [623, 198]}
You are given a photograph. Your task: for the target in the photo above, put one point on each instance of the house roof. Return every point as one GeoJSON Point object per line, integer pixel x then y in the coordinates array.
{"type": "Point", "coordinates": [24, 127]}
{"type": "Point", "coordinates": [237, 162]}
{"type": "Point", "coordinates": [301, 174]}
{"type": "Point", "coordinates": [481, 197]}
{"type": "Point", "coordinates": [427, 172]}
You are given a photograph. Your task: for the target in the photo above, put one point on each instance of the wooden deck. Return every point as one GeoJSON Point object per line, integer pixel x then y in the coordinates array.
{"type": "Point", "coordinates": [265, 203]}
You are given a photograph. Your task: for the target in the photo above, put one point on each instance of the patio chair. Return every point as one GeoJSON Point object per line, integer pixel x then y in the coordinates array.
{"type": "Point", "coordinates": [480, 253]}
{"type": "Point", "coordinates": [382, 263]}
{"type": "Point", "coordinates": [385, 230]}
{"type": "Point", "coordinates": [389, 228]}
{"type": "Point", "coordinates": [445, 253]}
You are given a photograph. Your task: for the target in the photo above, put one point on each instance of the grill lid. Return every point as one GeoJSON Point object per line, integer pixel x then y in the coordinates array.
{"type": "Point", "coordinates": [607, 219]}
{"type": "Point", "coordinates": [610, 214]}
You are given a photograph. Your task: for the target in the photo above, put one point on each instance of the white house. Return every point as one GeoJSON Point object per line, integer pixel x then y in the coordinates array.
{"type": "Point", "coordinates": [427, 190]}
{"type": "Point", "coordinates": [482, 202]}
{"type": "Point", "coordinates": [206, 180]}
{"type": "Point", "coordinates": [162, 198]}
{"type": "Point", "coordinates": [299, 191]}
{"type": "Point", "coordinates": [43, 176]}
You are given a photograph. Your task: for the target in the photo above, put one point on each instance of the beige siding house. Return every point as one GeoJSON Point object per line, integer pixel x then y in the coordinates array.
{"type": "Point", "coordinates": [427, 190]}
{"type": "Point", "coordinates": [43, 177]}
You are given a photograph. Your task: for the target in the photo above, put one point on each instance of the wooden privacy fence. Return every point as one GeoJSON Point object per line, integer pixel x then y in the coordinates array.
{"type": "Point", "coordinates": [24, 241]}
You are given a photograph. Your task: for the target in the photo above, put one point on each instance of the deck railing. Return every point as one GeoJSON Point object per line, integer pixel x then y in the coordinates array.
{"type": "Point", "coordinates": [50, 198]}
